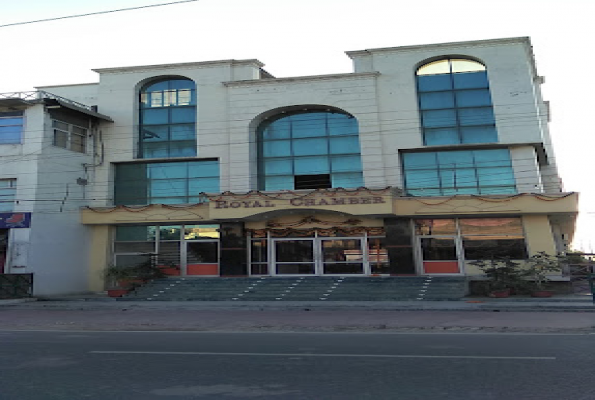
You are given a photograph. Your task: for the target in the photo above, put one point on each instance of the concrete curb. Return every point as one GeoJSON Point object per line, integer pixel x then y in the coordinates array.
{"type": "Point", "coordinates": [493, 306]}
{"type": "Point", "coordinates": [10, 302]}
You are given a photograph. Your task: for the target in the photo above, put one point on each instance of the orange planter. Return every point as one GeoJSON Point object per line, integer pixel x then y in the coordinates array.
{"type": "Point", "coordinates": [116, 292]}
{"type": "Point", "coordinates": [202, 269]}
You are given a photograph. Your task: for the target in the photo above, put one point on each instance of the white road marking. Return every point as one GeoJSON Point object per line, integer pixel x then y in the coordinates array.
{"type": "Point", "coordinates": [206, 353]}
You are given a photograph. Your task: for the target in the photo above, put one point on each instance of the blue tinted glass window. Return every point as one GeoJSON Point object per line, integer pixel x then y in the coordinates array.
{"type": "Point", "coordinates": [422, 179]}
{"type": "Point", "coordinates": [280, 129]}
{"type": "Point", "coordinates": [435, 100]}
{"type": "Point", "coordinates": [420, 160]}
{"type": "Point", "coordinates": [458, 172]}
{"type": "Point", "coordinates": [344, 145]}
{"type": "Point", "coordinates": [455, 100]}
{"type": "Point", "coordinates": [156, 150]}
{"type": "Point", "coordinates": [180, 115]}
{"type": "Point", "coordinates": [10, 134]}
{"type": "Point", "coordinates": [470, 80]}
{"type": "Point", "coordinates": [346, 164]}
{"type": "Point", "coordinates": [165, 183]}
{"type": "Point", "coordinates": [433, 83]}
{"type": "Point", "coordinates": [347, 180]}
{"type": "Point", "coordinates": [455, 159]}
{"type": "Point", "coordinates": [439, 118]}
{"type": "Point", "coordinates": [476, 116]}
{"type": "Point", "coordinates": [277, 148]}
{"type": "Point", "coordinates": [181, 148]}
{"type": "Point", "coordinates": [277, 166]}
{"type": "Point", "coordinates": [340, 124]}
{"type": "Point", "coordinates": [154, 116]}
{"type": "Point", "coordinates": [309, 143]}
{"type": "Point", "coordinates": [479, 134]}
{"type": "Point", "coordinates": [441, 136]}
{"type": "Point", "coordinates": [311, 165]}
{"type": "Point", "coordinates": [279, 182]}
{"type": "Point", "coordinates": [473, 98]}
{"type": "Point", "coordinates": [308, 125]}
{"type": "Point", "coordinates": [168, 114]}
{"type": "Point", "coordinates": [309, 147]}
{"type": "Point", "coordinates": [182, 132]}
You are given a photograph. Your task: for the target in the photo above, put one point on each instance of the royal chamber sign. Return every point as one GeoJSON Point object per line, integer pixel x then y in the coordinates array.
{"type": "Point", "coordinates": [15, 220]}
{"type": "Point", "coordinates": [298, 202]}
{"type": "Point", "coordinates": [356, 202]}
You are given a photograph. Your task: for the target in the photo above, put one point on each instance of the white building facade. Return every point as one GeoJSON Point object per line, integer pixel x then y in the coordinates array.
{"type": "Point", "coordinates": [422, 160]}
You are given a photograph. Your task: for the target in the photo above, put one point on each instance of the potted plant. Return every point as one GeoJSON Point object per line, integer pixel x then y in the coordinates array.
{"type": "Point", "coordinates": [127, 278]}
{"type": "Point", "coordinates": [120, 280]}
{"type": "Point", "coordinates": [537, 269]}
{"type": "Point", "coordinates": [504, 275]}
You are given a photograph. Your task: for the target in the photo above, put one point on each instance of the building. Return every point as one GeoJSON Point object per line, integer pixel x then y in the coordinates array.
{"type": "Point", "coordinates": [46, 151]}
{"type": "Point", "coordinates": [418, 162]}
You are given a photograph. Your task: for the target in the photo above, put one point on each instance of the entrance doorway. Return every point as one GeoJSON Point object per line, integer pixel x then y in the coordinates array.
{"type": "Point", "coordinates": [319, 256]}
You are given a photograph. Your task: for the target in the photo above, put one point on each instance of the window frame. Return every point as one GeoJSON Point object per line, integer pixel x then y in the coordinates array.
{"type": "Point", "coordinates": [295, 143]}
{"type": "Point", "coordinates": [441, 170]}
{"type": "Point", "coordinates": [460, 125]}
{"type": "Point", "coordinates": [459, 237]}
{"type": "Point", "coordinates": [70, 133]}
{"type": "Point", "coordinates": [150, 180]}
{"type": "Point", "coordinates": [185, 147]}
{"type": "Point", "coordinates": [8, 194]}
{"type": "Point", "coordinates": [6, 115]}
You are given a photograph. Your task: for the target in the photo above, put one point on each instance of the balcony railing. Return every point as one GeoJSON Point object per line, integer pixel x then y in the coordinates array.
{"type": "Point", "coordinates": [39, 95]}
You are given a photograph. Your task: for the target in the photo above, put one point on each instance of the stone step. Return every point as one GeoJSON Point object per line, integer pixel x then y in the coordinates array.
{"type": "Point", "coordinates": [302, 289]}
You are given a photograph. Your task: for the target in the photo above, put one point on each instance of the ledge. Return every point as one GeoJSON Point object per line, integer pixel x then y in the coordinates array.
{"type": "Point", "coordinates": [301, 79]}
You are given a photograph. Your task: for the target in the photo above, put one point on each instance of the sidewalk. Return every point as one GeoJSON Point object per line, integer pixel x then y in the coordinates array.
{"type": "Point", "coordinates": [423, 316]}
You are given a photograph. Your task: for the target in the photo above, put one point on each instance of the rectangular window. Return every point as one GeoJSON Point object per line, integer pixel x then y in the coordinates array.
{"type": "Point", "coordinates": [8, 190]}
{"type": "Point", "coordinates": [163, 244]}
{"type": "Point", "coordinates": [487, 238]}
{"type": "Point", "coordinates": [481, 238]}
{"type": "Point", "coordinates": [446, 173]}
{"type": "Point", "coordinates": [165, 182]}
{"type": "Point", "coordinates": [70, 137]}
{"type": "Point", "coordinates": [11, 127]}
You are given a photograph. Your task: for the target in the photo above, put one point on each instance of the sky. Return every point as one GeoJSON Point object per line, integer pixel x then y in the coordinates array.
{"type": "Point", "coordinates": [309, 37]}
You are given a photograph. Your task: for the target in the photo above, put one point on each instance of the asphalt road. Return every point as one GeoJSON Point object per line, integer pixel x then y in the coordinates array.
{"type": "Point", "coordinates": [194, 365]}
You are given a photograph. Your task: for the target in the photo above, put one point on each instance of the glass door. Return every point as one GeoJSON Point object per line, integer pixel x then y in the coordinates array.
{"type": "Point", "coordinates": [293, 257]}
{"type": "Point", "coordinates": [341, 256]}
{"type": "Point", "coordinates": [202, 257]}
{"type": "Point", "coordinates": [439, 255]}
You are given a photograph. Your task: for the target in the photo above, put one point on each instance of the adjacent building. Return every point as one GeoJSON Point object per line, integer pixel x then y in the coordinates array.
{"type": "Point", "coordinates": [421, 160]}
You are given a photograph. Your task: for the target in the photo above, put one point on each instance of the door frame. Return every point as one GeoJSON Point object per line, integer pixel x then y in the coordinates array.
{"type": "Point", "coordinates": [317, 255]}
{"type": "Point", "coordinates": [273, 256]}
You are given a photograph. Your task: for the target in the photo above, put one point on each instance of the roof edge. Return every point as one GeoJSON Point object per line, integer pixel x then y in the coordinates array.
{"type": "Point", "coordinates": [199, 64]}
{"type": "Point", "coordinates": [519, 39]}
{"type": "Point", "coordinates": [303, 78]}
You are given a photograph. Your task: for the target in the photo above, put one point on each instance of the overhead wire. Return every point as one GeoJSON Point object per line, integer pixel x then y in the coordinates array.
{"type": "Point", "coordinates": [97, 13]}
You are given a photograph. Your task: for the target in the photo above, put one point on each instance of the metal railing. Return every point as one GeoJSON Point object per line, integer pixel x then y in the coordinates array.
{"type": "Point", "coordinates": [39, 95]}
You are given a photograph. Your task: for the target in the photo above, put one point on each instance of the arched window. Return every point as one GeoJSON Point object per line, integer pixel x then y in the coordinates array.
{"type": "Point", "coordinates": [168, 119]}
{"type": "Point", "coordinates": [455, 103]}
{"type": "Point", "coordinates": [309, 150]}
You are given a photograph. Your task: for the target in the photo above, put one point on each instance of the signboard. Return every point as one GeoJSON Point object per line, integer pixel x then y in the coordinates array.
{"type": "Point", "coordinates": [299, 202]}
{"type": "Point", "coordinates": [15, 220]}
